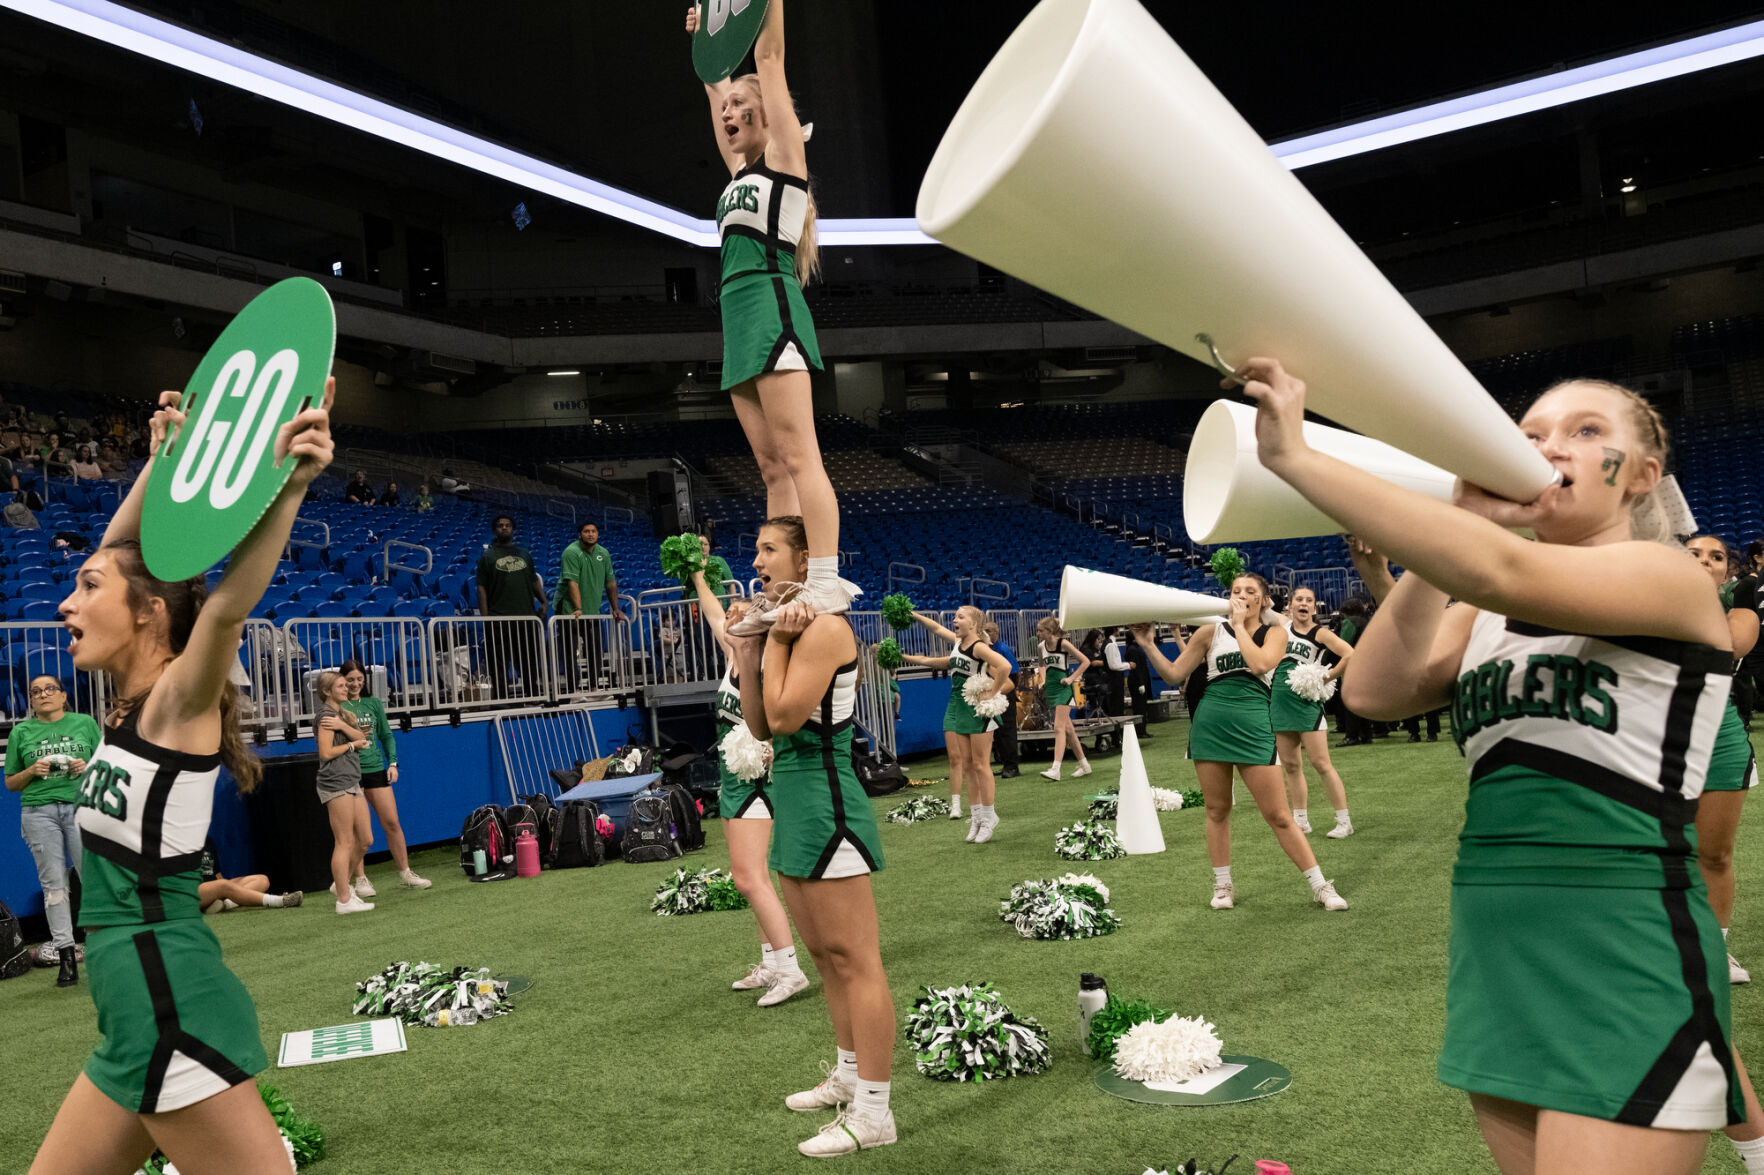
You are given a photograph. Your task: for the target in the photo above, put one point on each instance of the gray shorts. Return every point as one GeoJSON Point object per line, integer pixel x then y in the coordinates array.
{"type": "Point", "coordinates": [326, 794]}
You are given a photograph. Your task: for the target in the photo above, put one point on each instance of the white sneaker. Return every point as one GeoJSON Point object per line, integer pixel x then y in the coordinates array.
{"type": "Point", "coordinates": [1737, 973]}
{"type": "Point", "coordinates": [783, 987]}
{"type": "Point", "coordinates": [757, 976]}
{"type": "Point", "coordinates": [1222, 895]}
{"type": "Point", "coordinates": [410, 878]}
{"type": "Point", "coordinates": [354, 906]}
{"type": "Point", "coordinates": [1083, 768]}
{"type": "Point", "coordinates": [1303, 824]}
{"type": "Point", "coordinates": [835, 1091]}
{"type": "Point", "coordinates": [215, 907]}
{"type": "Point", "coordinates": [1326, 894]}
{"type": "Point", "coordinates": [830, 598]}
{"type": "Point", "coordinates": [955, 807]}
{"type": "Point", "coordinates": [364, 888]}
{"type": "Point", "coordinates": [1341, 830]}
{"type": "Point", "coordinates": [973, 825]}
{"type": "Point", "coordinates": [986, 829]}
{"type": "Point", "coordinates": [1052, 773]}
{"type": "Point", "coordinates": [763, 611]}
{"type": "Point", "coordinates": [848, 1133]}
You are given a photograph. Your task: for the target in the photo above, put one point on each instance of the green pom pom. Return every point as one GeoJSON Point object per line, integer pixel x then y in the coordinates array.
{"type": "Point", "coordinates": [1192, 798]}
{"type": "Point", "coordinates": [888, 654]}
{"type": "Point", "coordinates": [897, 610]}
{"type": "Point", "coordinates": [682, 557]}
{"type": "Point", "coordinates": [1227, 566]}
{"type": "Point", "coordinates": [1113, 1019]}
{"type": "Point", "coordinates": [307, 1139]}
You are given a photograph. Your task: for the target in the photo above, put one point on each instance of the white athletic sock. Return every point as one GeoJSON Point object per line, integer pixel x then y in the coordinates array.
{"type": "Point", "coordinates": [783, 961]}
{"type": "Point", "coordinates": [272, 901]}
{"type": "Point", "coordinates": [1221, 875]}
{"type": "Point", "coordinates": [229, 904]}
{"type": "Point", "coordinates": [1751, 1152]}
{"type": "Point", "coordinates": [1341, 816]}
{"type": "Point", "coordinates": [871, 1101]}
{"type": "Point", "coordinates": [822, 569]}
{"type": "Point", "coordinates": [1299, 813]}
{"type": "Point", "coordinates": [1314, 875]}
{"type": "Point", "coordinates": [848, 1066]}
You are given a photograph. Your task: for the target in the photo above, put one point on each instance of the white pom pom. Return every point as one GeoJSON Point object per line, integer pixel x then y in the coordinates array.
{"type": "Point", "coordinates": [1166, 800]}
{"type": "Point", "coordinates": [975, 691]}
{"type": "Point", "coordinates": [1310, 682]}
{"type": "Point", "coordinates": [1176, 1050]}
{"type": "Point", "coordinates": [1090, 879]}
{"type": "Point", "coordinates": [746, 757]}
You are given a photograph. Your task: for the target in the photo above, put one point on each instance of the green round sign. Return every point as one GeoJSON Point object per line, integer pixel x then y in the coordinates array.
{"type": "Point", "coordinates": [726, 32]}
{"type": "Point", "coordinates": [214, 477]}
{"type": "Point", "coordinates": [1239, 1079]}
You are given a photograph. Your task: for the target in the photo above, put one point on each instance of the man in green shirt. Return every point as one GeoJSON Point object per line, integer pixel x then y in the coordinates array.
{"type": "Point", "coordinates": [508, 584]}
{"type": "Point", "coordinates": [45, 756]}
{"type": "Point", "coordinates": [585, 578]}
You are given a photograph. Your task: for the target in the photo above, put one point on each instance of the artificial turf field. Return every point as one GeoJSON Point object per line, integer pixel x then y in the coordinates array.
{"type": "Point", "coordinates": [631, 1053]}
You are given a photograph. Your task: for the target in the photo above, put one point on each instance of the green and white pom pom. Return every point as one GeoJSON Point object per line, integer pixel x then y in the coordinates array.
{"type": "Point", "coordinates": [1311, 682]}
{"type": "Point", "coordinates": [1174, 1049]}
{"type": "Point", "coordinates": [1227, 566]}
{"type": "Point", "coordinates": [888, 654]}
{"type": "Point", "coordinates": [969, 1033]}
{"type": "Point", "coordinates": [682, 557]}
{"type": "Point", "coordinates": [302, 1138]}
{"type": "Point", "coordinates": [1111, 1021]}
{"type": "Point", "coordinates": [1106, 806]}
{"type": "Point", "coordinates": [697, 892]}
{"type": "Point", "coordinates": [745, 757]}
{"type": "Point", "coordinates": [917, 809]}
{"type": "Point", "coordinates": [413, 991]}
{"type": "Point", "coordinates": [897, 610]}
{"type": "Point", "coordinates": [975, 690]}
{"type": "Point", "coordinates": [1088, 840]}
{"type": "Point", "coordinates": [1073, 906]}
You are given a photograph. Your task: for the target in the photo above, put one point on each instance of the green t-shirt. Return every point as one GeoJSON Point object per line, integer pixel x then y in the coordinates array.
{"type": "Point", "coordinates": [506, 574]}
{"type": "Point", "coordinates": [74, 735]}
{"type": "Point", "coordinates": [370, 715]}
{"type": "Point", "coordinates": [590, 571]}
{"type": "Point", "coordinates": [719, 561]}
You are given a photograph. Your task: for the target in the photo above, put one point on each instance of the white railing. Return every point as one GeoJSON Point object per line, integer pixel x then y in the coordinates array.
{"type": "Point", "coordinates": [393, 650]}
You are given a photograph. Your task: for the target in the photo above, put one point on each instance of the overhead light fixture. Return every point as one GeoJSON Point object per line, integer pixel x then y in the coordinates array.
{"type": "Point", "coordinates": [1628, 185]}
{"type": "Point", "coordinates": [563, 373]}
{"type": "Point", "coordinates": [174, 45]}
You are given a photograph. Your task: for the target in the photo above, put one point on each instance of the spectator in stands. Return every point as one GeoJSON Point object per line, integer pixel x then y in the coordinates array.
{"type": "Point", "coordinates": [25, 452]}
{"type": "Point", "coordinates": [217, 893]}
{"type": "Point", "coordinates": [508, 584]}
{"type": "Point", "coordinates": [585, 577]}
{"type": "Point", "coordinates": [452, 485]}
{"type": "Point", "coordinates": [85, 464]}
{"type": "Point", "coordinates": [358, 492]}
{"type": "Point", "coordinates": [424, 501]}
{"type": "Point", "coordinates": [8, 475]}
{"type": "Point", "coordinates": [339, 784]}
{"type": "Point", "coordinates": [390, 497]}
{"type": "Point", "coordinates": [45, 756]}
{"type": "Point", "coordinates": [57, 460]}
{"type": "Point", "coordinates": [668, 646]}
{"type": "Point", "coordinates": [710, 560]}
{"type": "Point", "coordinates": [1004, 741]}
{"type": "Point", "coordinates": [110, 460]}
{"type": "Point", "coordinates": [63, 425]}
{"type": "Point", "coordinates": [140, 447]}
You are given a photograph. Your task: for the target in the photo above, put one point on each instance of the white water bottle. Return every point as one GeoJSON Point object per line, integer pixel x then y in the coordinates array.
{"type": "Point", "coordinates": [1093, 993]}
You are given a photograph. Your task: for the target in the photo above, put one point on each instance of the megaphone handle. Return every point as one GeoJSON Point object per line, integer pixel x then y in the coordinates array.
{"type": "Point", "coordinates": [1225, 369]}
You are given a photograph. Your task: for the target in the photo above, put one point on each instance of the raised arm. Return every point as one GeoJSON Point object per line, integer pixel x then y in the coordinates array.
{"type": "Point", "coordinates": [1179, 671]}
{"type": "Point", "coordinates": [937, 629]}
{"type": "Point", "coordinates": [1406, 662]}
{"type": "Point", "coordinates": [925, 662]}
{"type": "Point", "coordinates": [1263, 655]}
{"type": "Point", "coordinates": [714, 615]}
{"type": "Point", "coordinates": [1373, 567]}
{"type": "Point", "coordinates": [784, 151]}
{"type": "Point", "coordinates": [126, 522]}
{"type": "Point", "coordinates": [715, 92]}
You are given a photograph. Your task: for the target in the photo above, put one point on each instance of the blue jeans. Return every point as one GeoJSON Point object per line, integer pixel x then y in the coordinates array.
{"type": "Point", "coordinates": [54, 840]}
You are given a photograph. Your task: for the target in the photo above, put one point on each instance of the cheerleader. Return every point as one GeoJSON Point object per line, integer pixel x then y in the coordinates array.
{"type": "Point", "coordinates": [825, 843]}
{"type": "Point", "coordinates": [953, 745]}
{"type": "Point", "coordinates": [746, 807]}
{"type": "Point", "coordinates": [966, 732]}
{"type": "Point", "coordinates": [1733, 771]}
{"type": "Point", "coordinates": [1231, 730]}
{"type": "Point", "coordinates": [1060, 666]}
{"type": "Point", "coordinates": [1299, 726]}
{"type": "Point", "coordinates": [1588, 676]}
{"type": "Point", "coordinates": [766, 217]}
{"type": "Point", "coordinates": [179, 1038]}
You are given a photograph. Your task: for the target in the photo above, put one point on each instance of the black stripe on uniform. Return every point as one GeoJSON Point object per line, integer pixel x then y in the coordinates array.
{"type": "Point", "coordinates": [152, 834]}
{"type": "Point", "coordinates": [786, 329]}
{"type": "Point", "coordinates": [172, 1037]}
{"type": "Point", "coordinates": [130, 740]}
{"type": "Point", "coordinates": [1671, 809]}
{"type": "Point", "coordinates": [1686, 654]}
{"type": "Point", "coordinates": [830, 765]}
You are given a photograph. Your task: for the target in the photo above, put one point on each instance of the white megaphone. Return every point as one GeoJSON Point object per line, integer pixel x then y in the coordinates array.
{"type": "Point", "coordinates": [1096, 599]}
{"type": "Point", "coordinates": [1229, 496]}
{"type": "Point", "coordinates": [1094, 160]}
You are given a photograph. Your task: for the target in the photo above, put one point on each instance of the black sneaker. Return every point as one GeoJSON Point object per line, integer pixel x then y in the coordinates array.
{"type": "Point", "coordinates": [1009, 773]}
{"type": "Point", "coordinates": [70, 971]}
{"type": "Point", "coordinates": [1414, 738]}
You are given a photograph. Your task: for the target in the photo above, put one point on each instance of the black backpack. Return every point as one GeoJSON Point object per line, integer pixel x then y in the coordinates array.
{"type": "Point", "coordinates": [649, 829]}
{"type": "Point", "coordinates": [519, 818]}
{"type": "Point", "coordinates": [485, 829]}
{"type": "Point", "coordinates": [578, 844]}
{"type": "Point", "coordinates": [631, 759]}
{"type": "Point", "coordinates": [880, 774]}
{"type": "Point", "coordinates": [15, 960]}
{"type": "Point", "coordinates": [688, 828]}
{"type": "Point", "coordinates": [550, 822]}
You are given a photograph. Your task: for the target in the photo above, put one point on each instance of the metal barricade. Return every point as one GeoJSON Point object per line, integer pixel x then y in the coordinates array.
{"type": "Point", "coordinates": [489, 662]}
{"type": "Point", "coordinates": [31, 649]}
{"type": "Point", "coordinates": [1332, 584]}
{"type": "Point", "coordinates": [394, 650]}
{"type": "Point", "coordinates": [618, 514]}
{"type": "Point", "coordinates": [536, 743]}
{"type": "Point", "coordinates": [984, 592]}
{"type": "Point", "coordinates": [307, 532]}
{"type": "Point", "coordinates": [591, 654]}
{"type": "Point", "coordinates": [682, 653]}
{"type": "Point", "coordinates": [263, 701]}
{"type": "Point", "coordinates": [875, 702]}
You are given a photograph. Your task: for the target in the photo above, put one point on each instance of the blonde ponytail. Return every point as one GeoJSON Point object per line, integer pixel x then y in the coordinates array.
{"type": "Point", "coordinates": [808, 249]}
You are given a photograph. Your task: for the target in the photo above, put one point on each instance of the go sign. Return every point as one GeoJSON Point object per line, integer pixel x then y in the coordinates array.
{"type": "Point", "coordinates": [727, 29]}
{"type": "Point", "coordinates": [215, 476]}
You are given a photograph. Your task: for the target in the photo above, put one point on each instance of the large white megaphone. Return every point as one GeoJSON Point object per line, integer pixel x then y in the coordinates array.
{"type": "Point", "coordinates": [1096, 599]}
{"type": "Point", "coordinates": [1229, 496]}
{"type": "Point", "coordinates": [1093, 159]}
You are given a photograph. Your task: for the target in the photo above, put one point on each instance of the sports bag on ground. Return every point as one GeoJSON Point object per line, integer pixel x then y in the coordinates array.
{"type": "Point", "coordinates": [548, 818]}
{"type": "Point", "coordinates": [649, 829]}
{"type": "Point", "coordinates": [485, 829]}
{"type": "Point", "coordinates": [15, 960]}
{"type": "Point", "coordinates": [688, 828]}
{"type": "Point", "coordinates": [879, 774]}
{"type": "Point", "coordinates": [578, 843]}
{"type": "Point", "coordinates": [632, 759]}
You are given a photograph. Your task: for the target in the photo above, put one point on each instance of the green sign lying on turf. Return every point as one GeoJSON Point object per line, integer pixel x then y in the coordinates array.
{"type": "Point", "coordinates": [727, 29]}
{"type": "Point", "coordinates": [214, 477]}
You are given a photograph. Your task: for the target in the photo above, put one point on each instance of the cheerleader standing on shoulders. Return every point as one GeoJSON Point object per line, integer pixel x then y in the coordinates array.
{"type": "Point", "coordinates": [825, 845]}
{"type": "Point", "coordinates": [1061, 667]}
{"type": "Point", "coordinates": [178, 1033]}
{"type": "Point", "coordinates": [1300, 730]}
{"type": "Point", "coordinates": [746, 805]}
{"type": "Point", "coordinates": [1231, 730]}
{"type": "Point", "coordinates": [1587, 674]}
{"type": "Point", "coordinates": [766, 218]}
{"type": "Point", "coordinates": [1732, 771]}
{"type": "Point", "coordinates": [966, 732]}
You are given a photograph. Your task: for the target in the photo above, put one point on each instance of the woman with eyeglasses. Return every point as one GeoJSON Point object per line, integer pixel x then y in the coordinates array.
{"type": "Point", "coordinates": [45, 756]}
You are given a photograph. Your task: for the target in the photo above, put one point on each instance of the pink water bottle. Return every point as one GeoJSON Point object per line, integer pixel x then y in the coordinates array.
{"type": "Point", "coordinates": [527, 855]}
{"type": "Point", "coordinates": [1272, 1167]}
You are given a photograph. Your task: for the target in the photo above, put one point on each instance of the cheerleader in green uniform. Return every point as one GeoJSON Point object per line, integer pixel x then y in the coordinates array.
{"type": "Point", "coordinates": [1588, 674]}
{"type": "Point", "coordinates": [967, 733]}
{"type": "Point", "coordinates": [745, 806]}
{"type": "Point", "coordinates": [1062, 666]}
{"type": "Point", "coordinates": [766, 218]}
{"type": "Point", "coordinates": [825, 844]}
{"type": "Point", "coordinates": [1300, 730]}
{"type": "Point", "coordinates": [1231, 730]}
{"type": "Point", "coordinates": [1733, 771]}
{"type": "Point", "coordinates": [953, 743]}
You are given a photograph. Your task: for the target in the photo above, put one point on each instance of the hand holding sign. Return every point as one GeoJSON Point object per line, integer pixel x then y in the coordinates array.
{"type": "Point", "coordinates": [723, 31]}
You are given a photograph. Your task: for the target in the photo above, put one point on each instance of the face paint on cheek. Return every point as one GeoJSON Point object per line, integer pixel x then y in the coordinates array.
{"type": "Point", "coordinates": [747, 118]}
{"type": "Point", "coordinates": [1612, 463]}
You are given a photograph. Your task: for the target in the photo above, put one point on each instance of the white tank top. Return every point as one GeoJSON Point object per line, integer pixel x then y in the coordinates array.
{"type": "Point", "coordinates": [1225, 657]}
